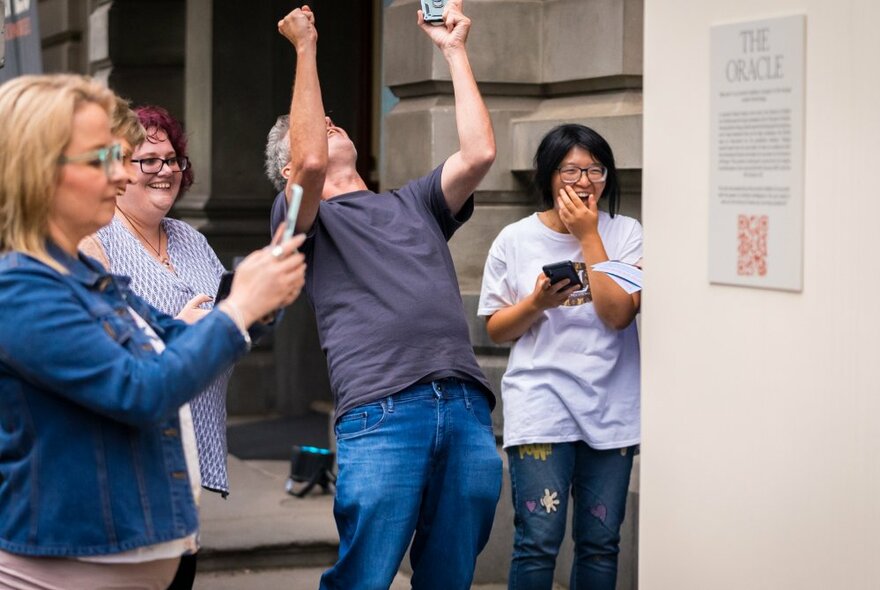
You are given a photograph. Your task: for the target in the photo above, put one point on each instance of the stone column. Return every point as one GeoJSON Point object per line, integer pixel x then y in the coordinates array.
{"type": "Point", "coordinates": [63, 25]}
{"type": "Point", "coordinates": [119, 54]}
{"type": "Point", "coordinates": [236, 83]}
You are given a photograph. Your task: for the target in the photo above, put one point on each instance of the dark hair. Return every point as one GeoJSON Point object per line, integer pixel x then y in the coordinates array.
{"type": "Point", "coordinates": [554, 147]}
{"type": "Point", "coordinates": [153, 118]}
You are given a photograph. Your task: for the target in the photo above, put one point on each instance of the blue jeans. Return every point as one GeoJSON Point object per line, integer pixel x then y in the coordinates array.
{"type": "Point", "coordinates": [541, 476]}
{"type": "Point", "coordinates": [420, 462]}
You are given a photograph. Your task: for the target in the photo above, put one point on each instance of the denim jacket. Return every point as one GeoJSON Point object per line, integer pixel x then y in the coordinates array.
{"type": "Point", "coordinates": [91, 460]}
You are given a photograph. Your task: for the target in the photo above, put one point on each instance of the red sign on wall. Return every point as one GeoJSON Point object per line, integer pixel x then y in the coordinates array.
{"type": "Point", "coordinates": [20, 39]}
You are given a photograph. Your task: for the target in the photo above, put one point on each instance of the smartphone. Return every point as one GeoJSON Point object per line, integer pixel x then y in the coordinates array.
{"type": "Point", "coordinates": [296, 193]}
{"type": "Point", "coordinates": [225, 286]}
{"type": "Point", "coordinates": [433, 11]}
{"type": "Point", "coordinates": [563, 270]}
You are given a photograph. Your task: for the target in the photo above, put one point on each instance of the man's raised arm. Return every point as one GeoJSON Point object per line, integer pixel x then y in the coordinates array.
{"type": "Point", "coordinates": [465, 168]}
{"type": "Point", "coordinates": [308, 129]}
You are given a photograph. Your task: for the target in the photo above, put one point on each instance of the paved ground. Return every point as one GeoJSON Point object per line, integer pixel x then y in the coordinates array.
{"type": "Point", "coordinates": [261, 538]}
{"type": "Point", "coordinates": [284, 579]}
{"type": "Point", "coordinates": [259, 525]}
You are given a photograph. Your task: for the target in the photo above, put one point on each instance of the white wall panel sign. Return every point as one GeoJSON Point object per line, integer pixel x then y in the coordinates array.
{"type": "Point", "coordinates": [757, 153]}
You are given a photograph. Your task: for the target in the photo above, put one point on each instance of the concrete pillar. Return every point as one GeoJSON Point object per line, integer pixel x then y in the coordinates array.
{"type": "Point", "coordinates": [760, 406]}
{"type": "Point", "coordinates": [229, 108]}
{"type": "Point", "coordinates": [63, 30]}
{"type": "Point", "coordinates": [145, 72]}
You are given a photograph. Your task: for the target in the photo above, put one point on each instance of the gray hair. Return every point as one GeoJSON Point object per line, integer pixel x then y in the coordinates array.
{"type": "Point", "coordinates": [278, 151]}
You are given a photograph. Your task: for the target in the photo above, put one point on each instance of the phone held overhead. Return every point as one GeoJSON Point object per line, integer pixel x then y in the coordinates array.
{"type": "Point", "coordinates": [433, 11]}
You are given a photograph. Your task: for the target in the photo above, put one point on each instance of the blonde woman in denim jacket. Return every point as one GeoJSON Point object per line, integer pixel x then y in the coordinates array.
{"type": "Point", "coordinates": [96, 474]}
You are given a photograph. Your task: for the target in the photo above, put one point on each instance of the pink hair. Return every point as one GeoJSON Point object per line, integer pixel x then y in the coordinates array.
{"type": "Point", "coordinates": [154, 117]}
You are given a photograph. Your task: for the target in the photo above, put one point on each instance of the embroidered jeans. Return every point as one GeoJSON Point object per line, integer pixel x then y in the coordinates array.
{"type": "Point", "coordinates": [421, 466]}
{"type": "Point", "coordinates": [541, 476]}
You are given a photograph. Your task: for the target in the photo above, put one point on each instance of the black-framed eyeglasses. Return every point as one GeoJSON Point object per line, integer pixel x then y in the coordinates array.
{"type": "Point", "coordinates": [154, 165]}
{"type": "Point", "coordinates": [572, 174]}
{"type": "Point", "coordinates": [103, 157]}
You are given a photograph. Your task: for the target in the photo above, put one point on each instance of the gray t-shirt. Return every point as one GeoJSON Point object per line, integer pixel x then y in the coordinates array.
{"type": "Point", "coordinates": [381, 280]}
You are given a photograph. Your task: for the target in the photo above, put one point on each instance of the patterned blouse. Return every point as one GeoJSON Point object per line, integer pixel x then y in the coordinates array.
{"type": "Point", "coordinates": [196, 270]}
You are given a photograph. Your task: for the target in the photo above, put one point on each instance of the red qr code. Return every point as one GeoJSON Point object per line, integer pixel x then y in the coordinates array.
{"type": "Point", "coordinates": [752, 238]}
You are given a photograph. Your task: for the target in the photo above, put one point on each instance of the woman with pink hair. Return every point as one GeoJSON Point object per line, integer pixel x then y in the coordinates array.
{"type": "Point", "coordinates": [173, 267]}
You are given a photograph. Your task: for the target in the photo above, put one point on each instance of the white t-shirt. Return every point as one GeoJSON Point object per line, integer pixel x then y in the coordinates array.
{"type": "Point", "coordinates": [570, 377]}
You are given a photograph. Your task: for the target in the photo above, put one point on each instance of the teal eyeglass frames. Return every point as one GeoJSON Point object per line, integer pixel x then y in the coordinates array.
{"type": "Point", "coordinates": [103, 157]}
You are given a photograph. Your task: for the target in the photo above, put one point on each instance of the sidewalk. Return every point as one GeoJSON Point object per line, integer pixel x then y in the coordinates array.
{"type": "Point", "coordinates": [261, 538]}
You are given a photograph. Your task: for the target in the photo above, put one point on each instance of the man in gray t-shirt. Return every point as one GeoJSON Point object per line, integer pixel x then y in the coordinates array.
{"type": "Point", "coordinates": [417, 456]}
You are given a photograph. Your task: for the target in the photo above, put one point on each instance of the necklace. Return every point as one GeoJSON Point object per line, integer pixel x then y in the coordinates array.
{"type": "Point", "coordinates": [163, 259]}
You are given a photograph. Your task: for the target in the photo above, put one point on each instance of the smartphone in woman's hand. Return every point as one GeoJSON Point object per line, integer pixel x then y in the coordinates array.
{"type": "Point", "coordinates": [563, 270]}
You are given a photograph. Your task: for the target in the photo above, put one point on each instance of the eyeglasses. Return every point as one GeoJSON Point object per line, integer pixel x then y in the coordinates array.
{"type": "Point", "coordinates": [154, 165]}
{"type": "Point", "coordinates": [103, 157]}
{"type": "Point", "coordinates": [572, 174]}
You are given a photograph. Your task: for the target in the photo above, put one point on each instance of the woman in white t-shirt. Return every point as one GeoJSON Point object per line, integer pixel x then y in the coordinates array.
{"type": "Point", "coordinates": [571, 390]}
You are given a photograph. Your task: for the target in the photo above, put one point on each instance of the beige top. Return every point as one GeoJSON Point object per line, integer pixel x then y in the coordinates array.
{"type": "Point", "coordinates": [18, 572]}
